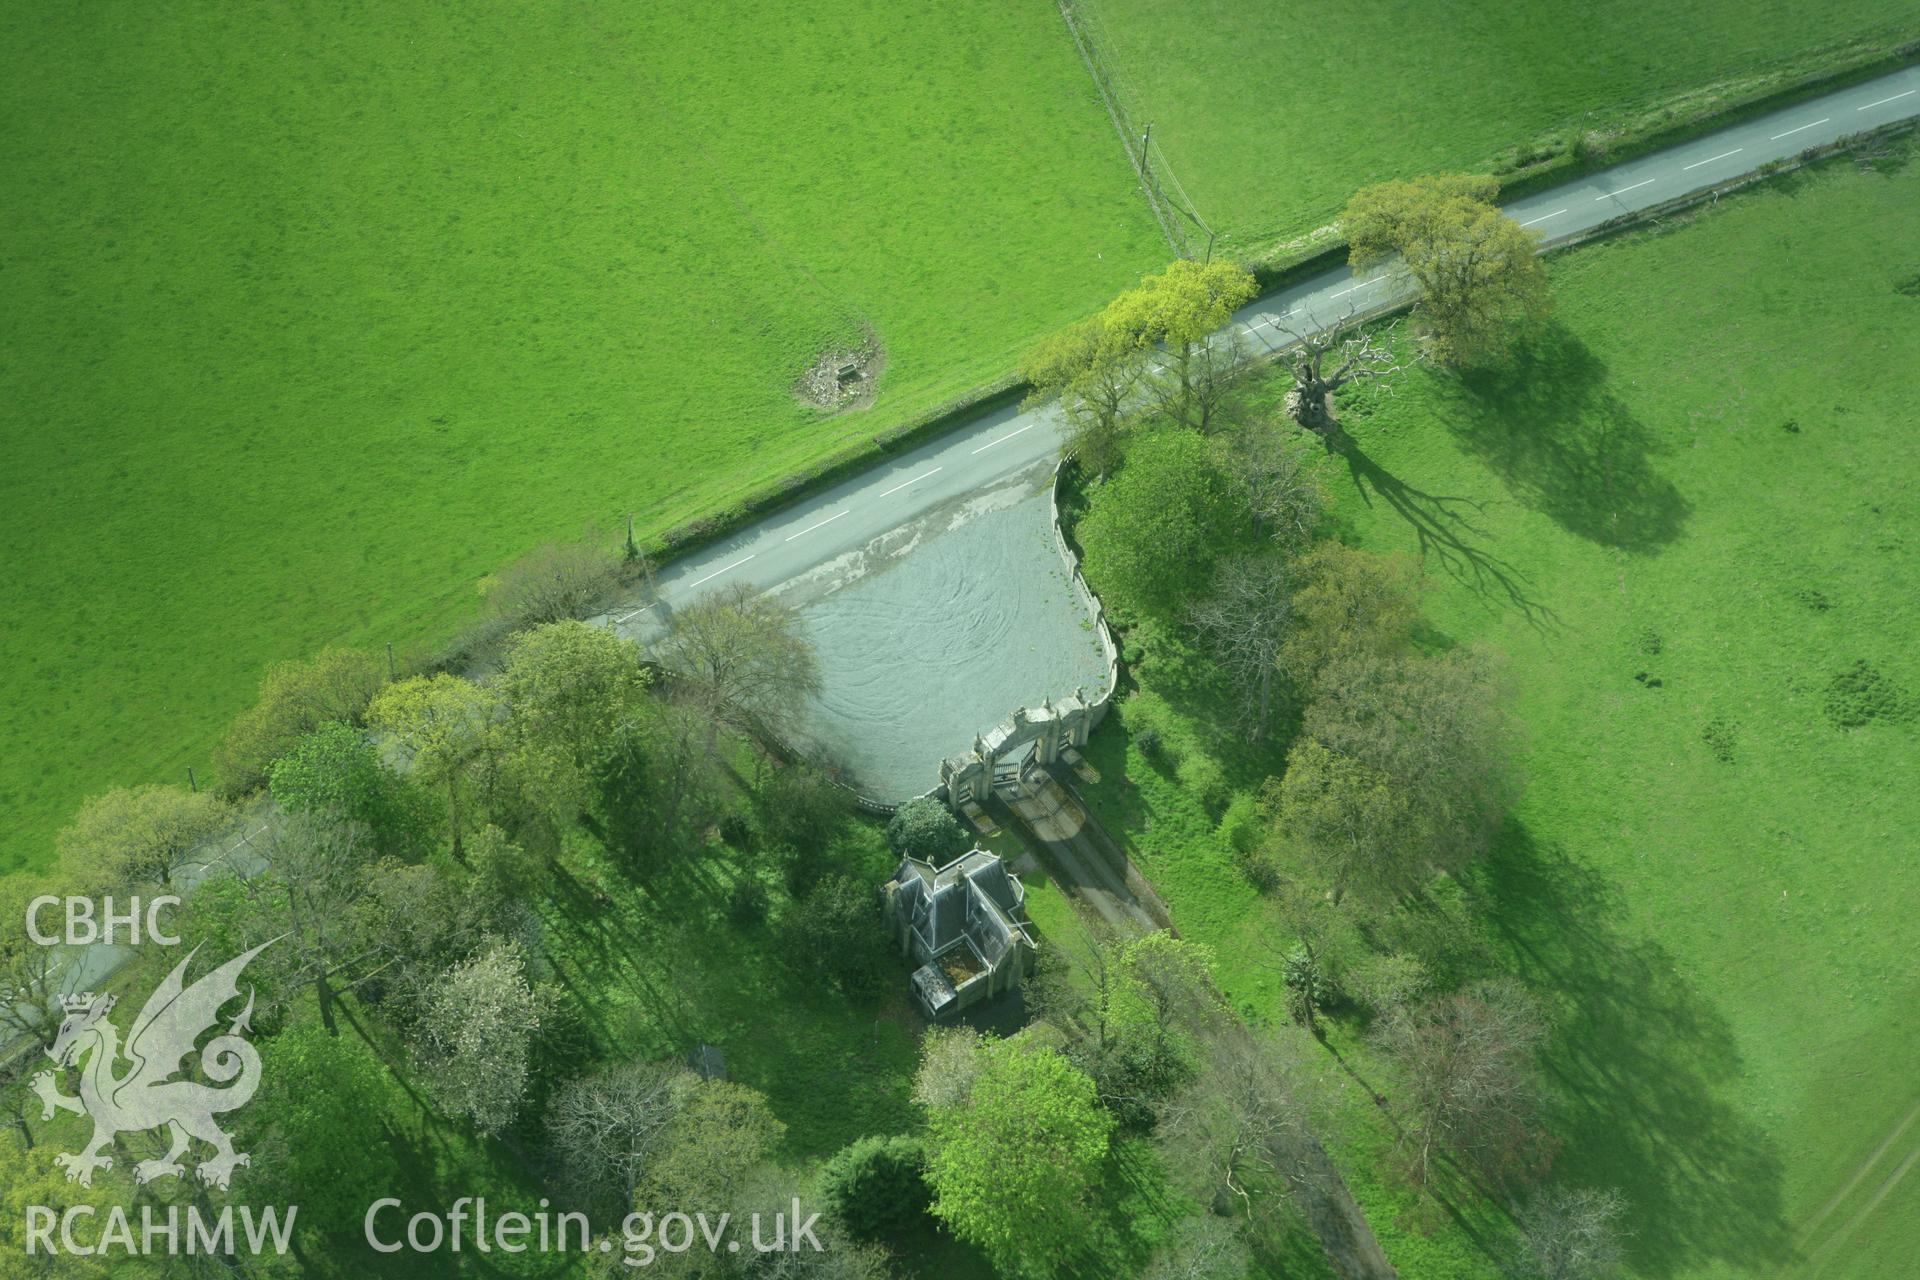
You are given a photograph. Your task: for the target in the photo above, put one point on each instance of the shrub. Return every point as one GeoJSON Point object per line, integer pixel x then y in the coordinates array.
{"type": "Point", "coordinates": [336, 771]}
{"type": "Point", "coordinates": [1859, 695]}
{"type": "Point", "coordinates": [1244, 825]}
{"type": "Point", "coordinates": [924, 829]}
{"type": "Point", "coordinates": [737, 831]}
{"type": "Point", "coordinates": [877, 1186]}
{"type": "Point", "coordinates": [1310, 988]}
{"type": "Point", "coordinates": [1261, 871]}
{"type": "Point", "coordinates": [801, 807]}
{"type": "Point", "coordinates": [1719, 736]}
{"type": "Point", "coordinates": [1205, 780]}
{"type": "Point", "coordinates": [1387, 984]}
{"type": "Point", "coordinates": [835, 934]}
{"type": "Point", "coordinates": [555, 582]}
{"type": "Point", "coordinates": [1148, 743]}
{"type": "Point", "coordinates": [747, 902]}
{"type": "Point", "coordinates": [137, 835]}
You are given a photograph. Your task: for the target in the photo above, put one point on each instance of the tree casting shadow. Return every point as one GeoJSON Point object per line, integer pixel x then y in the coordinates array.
{"type": "Point", "coordinates": [1566, 445]}
{"type": "Point", "coordinates": [1640, 1064]}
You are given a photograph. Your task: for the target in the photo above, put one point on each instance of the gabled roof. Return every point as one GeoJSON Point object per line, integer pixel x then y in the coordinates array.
{"type": "Point", "coordinates": [973, 898]}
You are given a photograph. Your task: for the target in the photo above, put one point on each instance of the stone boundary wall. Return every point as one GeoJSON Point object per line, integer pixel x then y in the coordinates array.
{"type": "Point", "coordinates": [1089, 601]}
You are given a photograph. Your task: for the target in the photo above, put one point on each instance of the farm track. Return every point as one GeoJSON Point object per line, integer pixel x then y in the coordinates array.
{"type": "Point", "coordinates": [1903, 1138]}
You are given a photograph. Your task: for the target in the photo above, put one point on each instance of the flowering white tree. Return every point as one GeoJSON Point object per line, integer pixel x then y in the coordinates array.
{"type": "Point", "coordinates": [476, 1035]}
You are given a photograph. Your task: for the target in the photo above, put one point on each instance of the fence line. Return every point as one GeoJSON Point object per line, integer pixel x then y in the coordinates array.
{"type": "Point", "coordinates": [1165, 212]}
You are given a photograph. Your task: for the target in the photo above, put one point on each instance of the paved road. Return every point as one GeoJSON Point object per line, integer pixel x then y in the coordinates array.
{"type": "Point", "coordinates": [995, 445]}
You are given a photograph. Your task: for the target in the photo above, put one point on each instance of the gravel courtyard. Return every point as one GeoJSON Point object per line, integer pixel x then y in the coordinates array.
{"type": "Point", "coordinates": [920, 652]}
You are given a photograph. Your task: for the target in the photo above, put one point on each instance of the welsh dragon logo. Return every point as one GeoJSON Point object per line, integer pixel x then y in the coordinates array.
{"type": "Point", "coordinates": [149, 1094]}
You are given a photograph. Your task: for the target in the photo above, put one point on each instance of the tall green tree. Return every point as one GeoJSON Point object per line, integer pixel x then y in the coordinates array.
{"type": "Point", "coordinates": [447, 728]}
{"type": "Point", "coordinates": [1400, 770]}
{"type": "Point", "coordinates": [140, 835]}
{"type": "Point", "coordinates": [1012, 1165]}
{"type": "Point", "coordinates": [1152, 1001]}
{"type": "Point", "coordinates": [295, 699]}
{"type": "Point", "coordinates": [1094, 369]}
{"type": "Point", "coordinates": [1348, 603]}
{"type": "Point", "coordinates": [1477, 271]}
{"type": "Point", "coordinates": [720, 1133]}
{"type": "Point", "coordinates": [336, 772]}
{"type": "Point", "coordinates": [566, 686]}
{"type": "Point", "coordinates": [1150, 532]}
{"type": "Point", "coordinates": [1175, 317]}
{"type": "Point", "coordinates": [325, 1098]}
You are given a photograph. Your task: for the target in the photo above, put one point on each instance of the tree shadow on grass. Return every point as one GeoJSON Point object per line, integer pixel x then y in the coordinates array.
{"type": "Point", "coordinates": [1640, 1065]}
{"type": "Point", "coordinates": [1565, 445]}
{"type": "Point", "coordinates": [1444, 526]}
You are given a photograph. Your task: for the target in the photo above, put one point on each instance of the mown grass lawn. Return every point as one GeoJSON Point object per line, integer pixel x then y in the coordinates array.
{"type": "Point", "coordinates": [318, 314]}
{"type": "Point", "coordinates": [1688, 518]}
{"type": "Point", "coordinates": [1271, 119]}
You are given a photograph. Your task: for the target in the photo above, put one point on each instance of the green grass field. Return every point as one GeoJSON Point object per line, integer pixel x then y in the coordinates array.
{"type": "Point", "coordinates": [317, 314]}
{"type": "Point", "coordinates": [1269, 122]}
{"type": "Point", "coordinates": [1701, 475]}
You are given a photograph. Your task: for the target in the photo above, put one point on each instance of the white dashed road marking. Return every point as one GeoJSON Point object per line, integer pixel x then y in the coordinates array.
{"type": "Point", "coordinates": [1884, 101]}
{"type": "Point", "coordinates": [810, 528]}
{"type": "Point", "coordinates": [916, 480]}
{"type": "Point", "coordinates": [1003, 439]}
{"type": "Point", "coordinates": [717, 572]}
{"type": "Point", "coordinates": [1798, 129]}
{"type": "Point", "coordinates": [1623, 190]}
{"type": "Point", "coordinates": [1710, 159]}
{"type": "Point", "coordinates": [1543, 217]}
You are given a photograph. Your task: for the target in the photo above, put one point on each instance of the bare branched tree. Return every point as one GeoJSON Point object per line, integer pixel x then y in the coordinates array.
{"type": "Point", "coordinates": [1572, 1234]}
{"type": "Point", "coordinates": [1203, 1247]}
{"type": "Point", "coordinates": [1194, 383]}
{"type": "Point", "coordinates": [1472, 1086]}
{"type": "Point", "coordinates": [602, 1128]}
{"type": "Point", "coordinates": [1275, 482]}
{"type": "Point", "coordinates": [1241, 1126]}
{"type": "Point", "coordinates": [1244, 621]}
{"type": "Point", "coordinates": [1328, 359]}
{"type": "Point", "coordinates": [316, 867]}
{"type": "Point", "coordinates": [742, 656]}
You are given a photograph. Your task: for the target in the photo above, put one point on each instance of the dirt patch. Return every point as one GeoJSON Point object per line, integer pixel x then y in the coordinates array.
{"type": "Point", "coordinates": [843, 378]}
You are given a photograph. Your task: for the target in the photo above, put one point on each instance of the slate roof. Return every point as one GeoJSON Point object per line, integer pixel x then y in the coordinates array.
{"type": "Point", "coordinates": [974, 898]}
